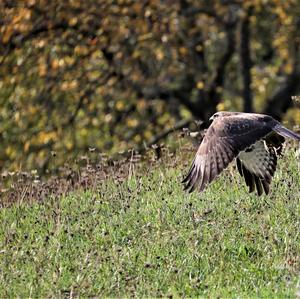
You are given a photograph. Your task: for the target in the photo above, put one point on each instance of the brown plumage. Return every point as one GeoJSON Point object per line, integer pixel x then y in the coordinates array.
{"type": "Point", "coordinates": [256, 140]}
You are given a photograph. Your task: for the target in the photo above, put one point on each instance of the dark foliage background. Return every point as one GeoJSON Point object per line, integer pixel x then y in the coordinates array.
{"type": "Point", "coordinates": [112, 75]}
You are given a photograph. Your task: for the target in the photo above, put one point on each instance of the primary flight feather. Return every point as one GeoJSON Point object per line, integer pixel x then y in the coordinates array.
{"type": "Point", "coordinates": [255, 140]}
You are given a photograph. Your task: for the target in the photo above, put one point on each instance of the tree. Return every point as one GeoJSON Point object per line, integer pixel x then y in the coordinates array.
{"type": "Point", "coordinates": [116, 74]}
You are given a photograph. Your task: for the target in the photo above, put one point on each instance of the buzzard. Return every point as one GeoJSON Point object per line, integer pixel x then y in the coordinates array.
{"type": "Point", "coordinates": [255, 140]}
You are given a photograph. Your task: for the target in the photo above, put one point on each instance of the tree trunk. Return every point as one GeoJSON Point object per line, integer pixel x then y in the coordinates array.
{"type": "Point", "coordinates": [246, 63]}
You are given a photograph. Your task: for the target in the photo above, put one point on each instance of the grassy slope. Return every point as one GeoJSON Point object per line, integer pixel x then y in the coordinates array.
{"type": "Point", "coordinates": [145, 236]}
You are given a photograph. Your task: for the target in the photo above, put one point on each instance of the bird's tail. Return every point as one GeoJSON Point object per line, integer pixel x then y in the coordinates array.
{"type": "Point", "coordinates": [283, 131]}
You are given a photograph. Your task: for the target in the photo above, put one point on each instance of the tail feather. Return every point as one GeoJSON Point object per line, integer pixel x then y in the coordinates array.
{"type": "Point", "coordinates": [283, 131]}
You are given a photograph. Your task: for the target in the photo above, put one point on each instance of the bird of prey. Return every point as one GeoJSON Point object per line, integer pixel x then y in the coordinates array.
{"type": "Point", "coordinates": [255, 140]}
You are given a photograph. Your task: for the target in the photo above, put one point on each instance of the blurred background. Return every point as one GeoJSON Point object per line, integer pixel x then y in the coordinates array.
{"type": "Point", "coordinates": [111, 75]}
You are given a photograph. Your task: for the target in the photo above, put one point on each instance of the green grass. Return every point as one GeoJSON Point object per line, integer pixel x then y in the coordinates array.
{"type": "Point", "coordinates": [146, 237]}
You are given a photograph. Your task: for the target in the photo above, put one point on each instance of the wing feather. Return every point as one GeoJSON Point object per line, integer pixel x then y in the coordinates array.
{"type": "Point", "coordinates": [239, 166]}
{"type": "Point", "coordinates": [249, 178]}
{"type": "Point", "coordinates": [266, 186]}
{"type": "Point", "coordinates": [258, 185]}
{"type": "Point", "coordinates": [213, 166]}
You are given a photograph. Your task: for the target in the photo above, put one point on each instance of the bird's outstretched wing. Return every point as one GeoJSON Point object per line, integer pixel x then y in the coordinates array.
{"type": "Point", "coordinates": [223, 141]}
{"type": "Point", "coordinates": [257, 164]}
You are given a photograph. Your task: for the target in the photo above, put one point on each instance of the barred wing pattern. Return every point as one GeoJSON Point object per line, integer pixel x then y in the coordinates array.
{"type": "Point", "coordinates": [257, 166]}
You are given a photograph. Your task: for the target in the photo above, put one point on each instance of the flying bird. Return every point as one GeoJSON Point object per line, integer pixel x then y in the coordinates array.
{"type": "Point", "coordinates": [254, 140]}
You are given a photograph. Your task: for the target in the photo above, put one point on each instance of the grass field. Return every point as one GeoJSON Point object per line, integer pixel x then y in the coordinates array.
{"type": "Point", "coordinates": [143, 236]}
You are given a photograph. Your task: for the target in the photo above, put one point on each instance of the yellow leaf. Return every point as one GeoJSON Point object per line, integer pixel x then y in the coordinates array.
{"type": "Point", "coordinates": [69, 145]}
{"type": "Point", "coordinates": [95, 122]}
{"type": "Point", "coordinates": [32, 109]}
{"type": "Point", "coordinates": [55, 64]}
{"type": "Point", "coordinates": [221, 106]}
{"type": "Point", "coordinates": [17, 116]}
{"type": "Point", "coordinates": [26, 146]}
{"type": "Point", "coordinates": [120, 105]}
{"type": "Point", "coordinates": [200, 85]}
{"type": "Point", "coordinates": [137, 138]}
{"type": "Point", "coordinates": [83, 132]}
{"type": "Point", "coordinates": [81, 50]}
{"type": "Point", "coordinates": [132, 122]}
{"type": "Point", "coordinates": [148, 134]}
{"type": "Point", "coordinates": [288, 68]}
{"type": "Point", "coordinates": [42, 69]}
{"type": "Point", "coordinates": [183, 51]}
{"type": "Point", "coordinates": [45, 137]}
{"type": "Point", "coordinates": [159, 54]}
{"type": "Point", "coordinates": [141, 105]}
{"type": "Point", "coordinates": [7, 34]}
{"type": "Point", "coordinates": [73, 21]}
{"type": "Point", "coordinates": [11, 152]}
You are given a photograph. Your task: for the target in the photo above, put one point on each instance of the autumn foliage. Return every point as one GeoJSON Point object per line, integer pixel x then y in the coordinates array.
{"type": "Point", "coordinates": [114, 75]}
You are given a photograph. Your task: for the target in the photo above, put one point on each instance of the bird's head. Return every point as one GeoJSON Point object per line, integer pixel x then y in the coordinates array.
{"type": "Point", "coordinates": [222, 114]}
{"type": "Point", "coordinates": [217, 114]}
